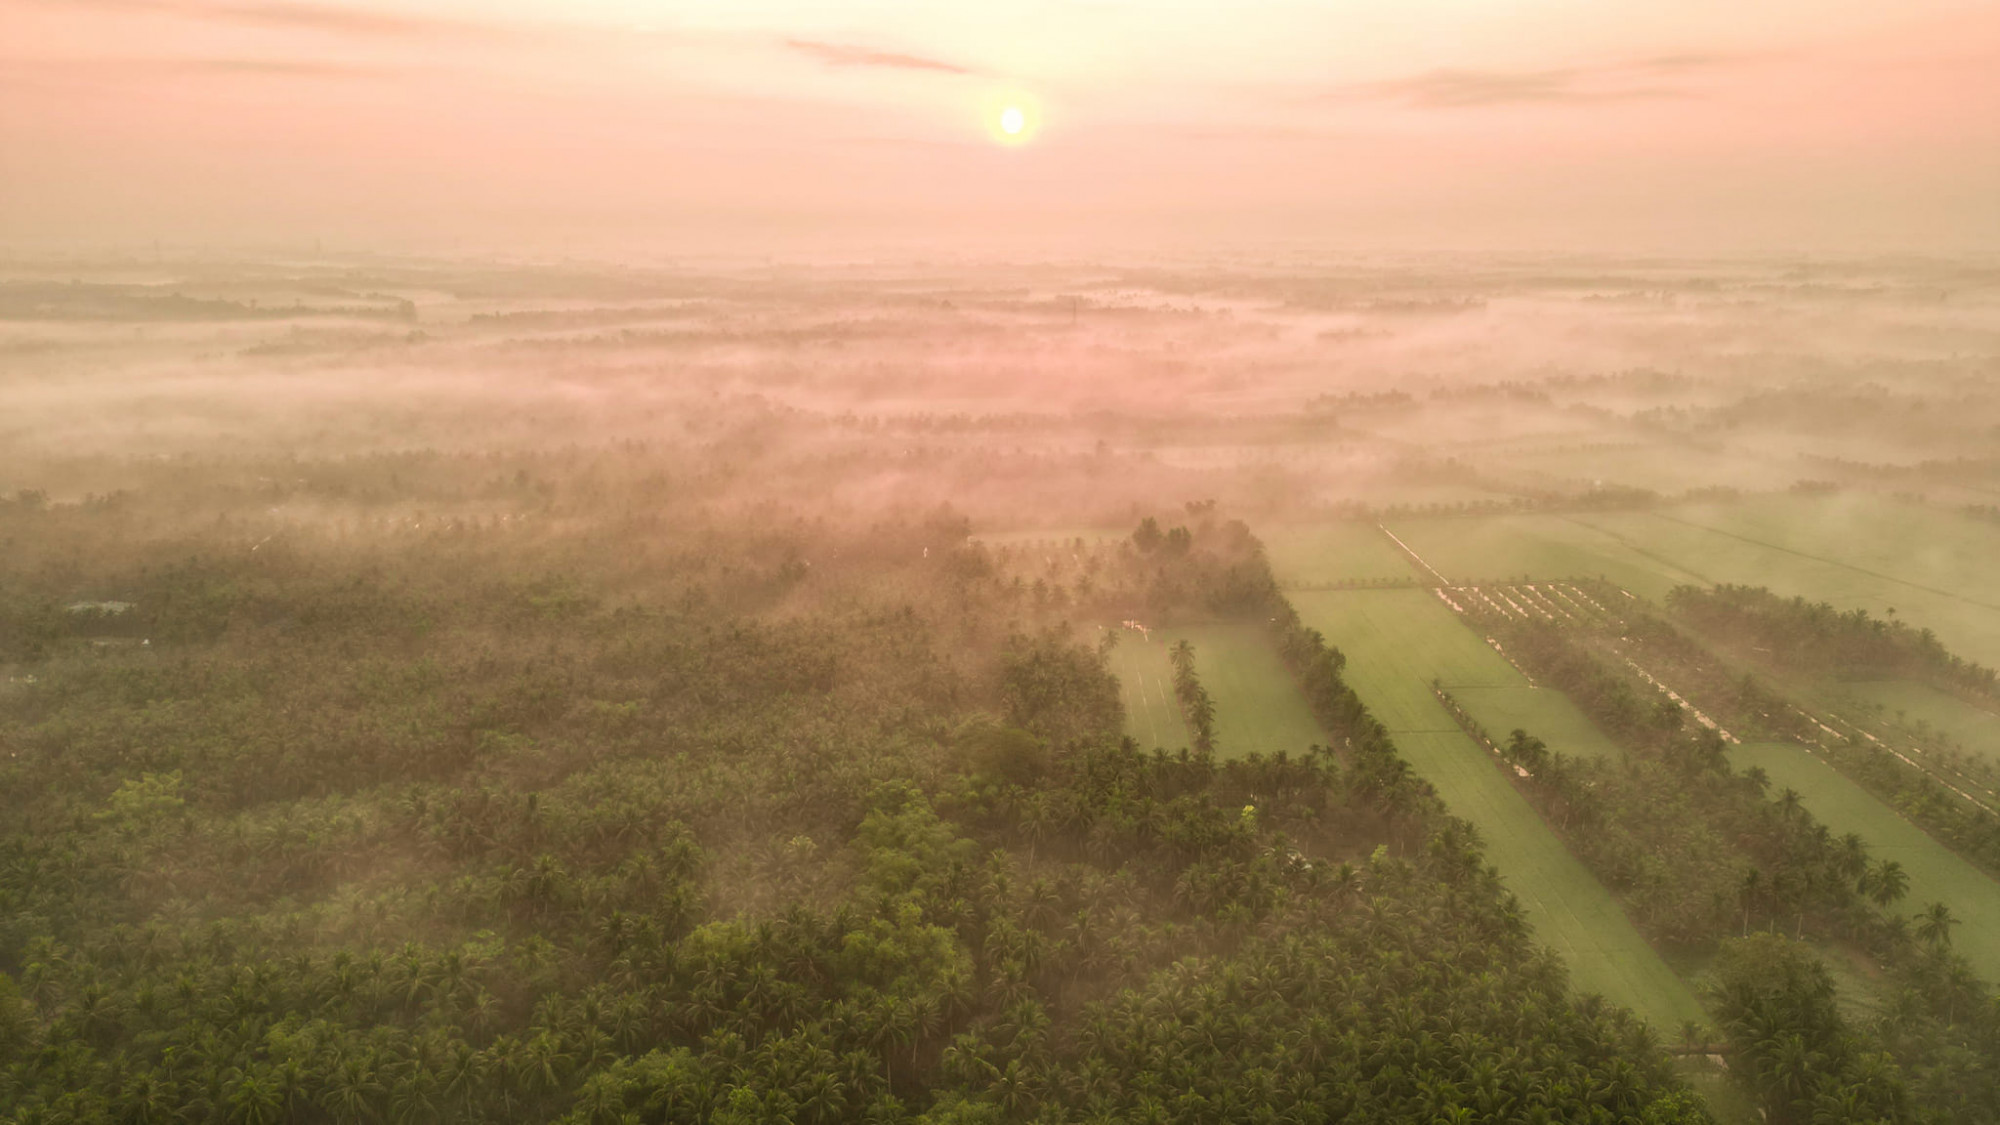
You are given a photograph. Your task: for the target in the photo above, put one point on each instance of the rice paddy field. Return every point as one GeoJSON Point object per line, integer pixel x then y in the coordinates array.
{"type": "Point", "coordinates": [1485, 549]}
{"type": "Point", "coordinates": [1258, 709]}
{"type": "Point", "coordinates": [1396, 642]}
{"type": "Point", "coordinates": [1543, 712]}
{"type": "Point", "coordinates": [1910, 543]}
{"type": "Point", "coordinates": [1936, 873]}
{"type": "Point", "coordinates": [1975, 729]}
{"type": "Point", "coordinates": [1932, 566]}
{"type": "Point", "coordinates": [1349, 551]}
{"type": "Point", "coordinates": [1146, 684]}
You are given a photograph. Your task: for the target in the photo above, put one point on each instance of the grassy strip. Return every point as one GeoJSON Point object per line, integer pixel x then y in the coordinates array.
{"type": "Point", "coordinates": [1400, 641]}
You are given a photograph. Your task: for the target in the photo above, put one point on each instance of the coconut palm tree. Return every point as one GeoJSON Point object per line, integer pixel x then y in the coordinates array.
{"type": "Point", "coordinates": [1887, 883]}
{"type": "Point", "coordinates": [1934, 925]}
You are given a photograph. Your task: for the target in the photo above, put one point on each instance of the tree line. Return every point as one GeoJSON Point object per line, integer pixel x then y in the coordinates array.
{"type": "Point", "coordinates": [1817, 638]}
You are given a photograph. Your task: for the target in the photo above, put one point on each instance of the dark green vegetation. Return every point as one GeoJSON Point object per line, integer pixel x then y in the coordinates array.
{"type": "Point", "coordinates": [1193, 697]}
{"type": "Point", "coordinates": [453, 690]}
{"type": "Point", "coordinates": [1816, 638]}
{"type": "Point", "coordinates": [631, 811]}
{"type": "Point", "coordinates": [1790, 1041]}
{"type": "Point", "coordinates": [1926, 871]}
{"type": "Point", "coordinates": [1701, 852]}
{"type": "Point", "coordinates": [1403, 641]}
{"type": "Point", "coordinates": [1917, 770]}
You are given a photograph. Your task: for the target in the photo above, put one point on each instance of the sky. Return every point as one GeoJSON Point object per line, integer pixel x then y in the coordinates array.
{"type": "Point", "coordinates": [764, 126]}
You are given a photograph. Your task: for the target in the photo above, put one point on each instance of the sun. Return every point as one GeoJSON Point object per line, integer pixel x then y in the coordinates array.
{"type": "Point", "coordinates": [1012, 117]}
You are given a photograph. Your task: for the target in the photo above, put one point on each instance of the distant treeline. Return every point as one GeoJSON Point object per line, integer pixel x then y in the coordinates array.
{"type": "Point", "coordinates": [48, 301]}
{"type": "Point", "coordinates": [1606, 498]}
{"type": "Point", "coordinates": [1974, 469]}
{"type": "Point", "coordinates": [1816, 637]}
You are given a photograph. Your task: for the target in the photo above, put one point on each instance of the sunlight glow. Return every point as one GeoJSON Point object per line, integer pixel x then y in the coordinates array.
{"type": "Point", "coordinates": [1012, 117]}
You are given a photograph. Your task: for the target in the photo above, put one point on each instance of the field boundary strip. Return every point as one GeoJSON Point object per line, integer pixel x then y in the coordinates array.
{"type": "Point", "coordinates": [1414, 557]}
{"type": "Point", "coordinates": [1629, 544]}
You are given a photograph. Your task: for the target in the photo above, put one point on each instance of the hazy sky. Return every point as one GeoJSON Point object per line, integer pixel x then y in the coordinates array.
{"type": "Point", "coordinates": [1696, 125]}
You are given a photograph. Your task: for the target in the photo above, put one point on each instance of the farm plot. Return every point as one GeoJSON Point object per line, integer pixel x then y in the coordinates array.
{"type": "Point", "coordinates": [1324, 554]}
{"type": "Point", "coordinates": [1396, 642]}
{"type": "Point", "coordinates": [1975, 729]}
{"type": "Point", "coordinates": [1932, 574]}
{"type": "Point", "coordinates": [1569, 909]}
{"type": "Point", "coordinates": [1922, 546]}
{"type": "Point", "coordinates": [1538, 547]}
{"type": "Point", "coordinates": [1146, 684]}
{"type": "Point", "coordinates": [1936, 873]}
{"type": "Point", "coordinates": [1258, 708]}
{"type": "Point", "coordinates": [1543, 712]}
{"type": "Point", "coordinates": [1932, 568]}
{"type": "Point", "coordinates": [1664, 468]}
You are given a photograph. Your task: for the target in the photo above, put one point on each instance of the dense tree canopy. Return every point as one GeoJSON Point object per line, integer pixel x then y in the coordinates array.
{"type": "Point", "coordinates": [671, 818]}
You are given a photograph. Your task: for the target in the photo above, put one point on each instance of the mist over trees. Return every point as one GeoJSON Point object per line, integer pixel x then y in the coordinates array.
{"type": "Point", "coordinates": [444, 690]}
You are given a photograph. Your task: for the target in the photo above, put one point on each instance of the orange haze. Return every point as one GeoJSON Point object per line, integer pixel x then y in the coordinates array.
{"type": "Point", "coordinates": [753, 125]}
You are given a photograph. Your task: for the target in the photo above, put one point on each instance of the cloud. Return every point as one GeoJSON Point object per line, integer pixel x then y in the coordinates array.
{"type": "Point", "coordinates": [842, 54]}
{"type": "Point", "coordinates": [1657, 77]}
{"type": "Point", "coordinates": [339, 19]}
{"type": "Point", "coordinates": [281, 68]}
{"type": "Point", "coordinates": [114, 69]}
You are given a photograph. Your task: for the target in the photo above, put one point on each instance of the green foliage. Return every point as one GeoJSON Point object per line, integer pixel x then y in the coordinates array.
{"type": "Point", "coordinates": [1816, 637]}
{"type": "Point", "coordinates": [144, 800]}
{"type": "Point", "coordinates": [1194, 698]}
{"type": "Point", "coordinates": [1789, 1041]}
{"type": "Point", "coordinates": [449, 829]}
{"type": "Point", "coordinates": [1058, 691]}
{"type": "Point", "coordinates": [1004, 753]}
{"type": "Point", "coordinates": [1695, 850]}
{"type": "Point", "coordinates": [15, 1019]}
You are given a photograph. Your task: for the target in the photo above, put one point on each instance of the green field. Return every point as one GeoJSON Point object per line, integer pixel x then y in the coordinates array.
{"type": "Point", "coordinates": [1325, 553]}
{"type": "Point", "coordinates": [1396, 641]}
{"type": "Point", "coordinates": [1146, 684]}
{"type": "Point", "coordinates": [1975, 729]}
{"type": "Point", "coordinates": [1258, 709]}
{"type": "Point", "coordinates": [1929, 547]}
{"type": "Point", "coordinates": [1936, 873]}
{"type": "Point", "coordinates": [1863, 553]}
{"type": "Point", "coordinates": [1504, 548]}
{"type": "Point", "coordinates": [1932, 567]}
{"type": "Point", "coordinates": [1543, 712]}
